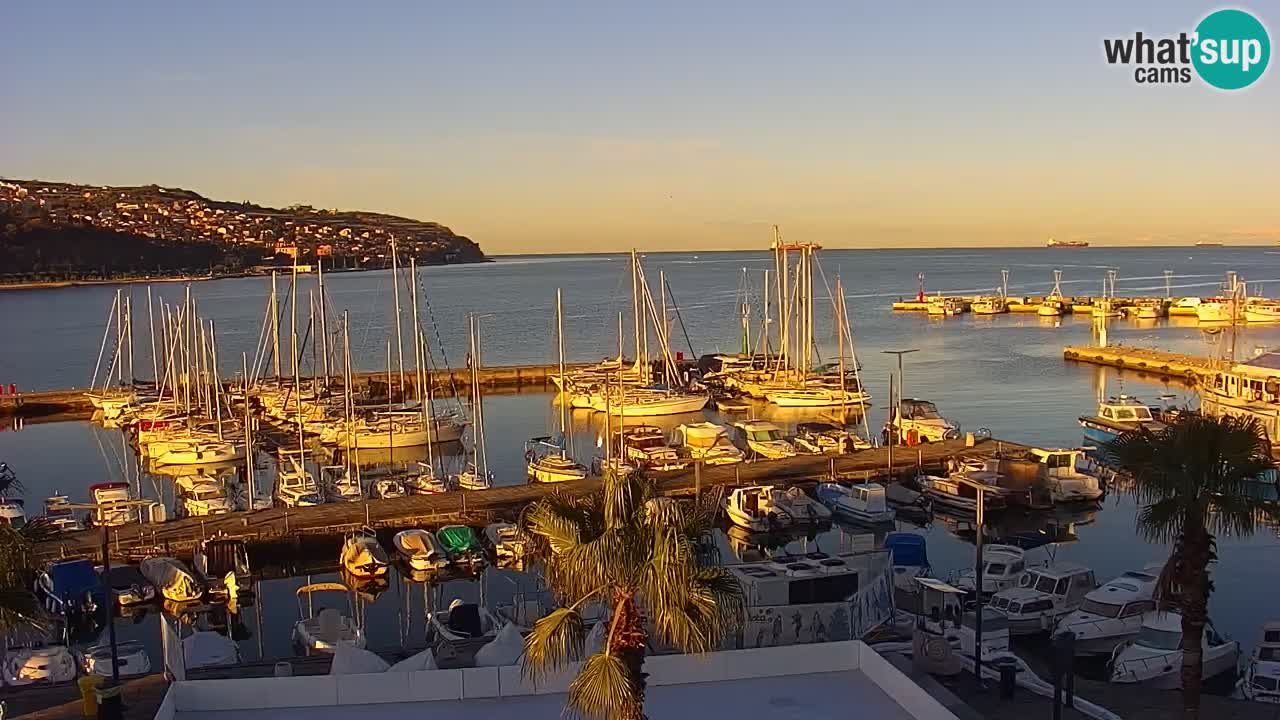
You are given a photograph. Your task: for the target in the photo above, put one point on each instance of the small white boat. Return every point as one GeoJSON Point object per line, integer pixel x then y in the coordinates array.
{"type": "Point", "coordinates": [172, 579]}
{"type": "Point", "coordinates": [1154, 657]}
{"type": "Point", "coordinates": [462, 629]}
{"type": "Point", "coordinates": [1261, 679]}
{"type": "Point", "coordinates": [48, 664]}
{"type": "Point", "coordinates": [295, 486]}
{"type": "Point", "coordinates": [918, 421]}
{"type": "Point", "coordinates": [1062, 472]}
{"type": "Point", "coordinates": [1002, 568]}
{"type": "Point", "coordinates": [645, 446]}
{"type": "Point", "coordinates": [13, 512]}
{"type": "Point", "coordinates": [959, 492]}
{"type": "Point", "coordinates": [764, 440]}
{"type": "Point", "coordinates": [547, 462]}
{"type": "Point", "coordinates": [1050, 307]}
{"type": "Point", "coordinates": [865, 502]}
{"type": "Point", "coordinates": [706, 442]}
{"type": "Point", "coordinates": [420, 550]}
{"type": "Point", "coordinates": [386, 488]}
{"type": "Point", "coordinates": [1116, 416]}
{"type": "Point", "coordinates": [507, 541]}
{"type": "Point", "coordinates": [206, 648]}
{"type": "Point", "coordinates": [1112, 614]}
{"type": "Point", "coordinates": [1150, 309]}
{"type": "Point", "coordinates": [1262, 312]}
{"type": "Point", "coordinates": [329, 628]}
{"type": "Point", "coordinates": [1044, 594]}
{"type": "Point", "coordinates": [132, 659]}
{"type": "Point", "coordinates": [203, 497]}
{"type": "Point", "coordinates": [362, 556]}
{"type": "Point", "coordinates": [116, 505]}
{"type": "Point", "coordinates": [754, 508]}
{"type": "Point", "coordinates": [824, 438]}
{"type": "Point", "coordinates": [800, 507]}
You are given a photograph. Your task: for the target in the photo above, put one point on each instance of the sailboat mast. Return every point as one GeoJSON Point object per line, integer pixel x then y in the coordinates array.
{"type": "Point", "coordinates": [324, 324]}
{"type": "Point", "coordinates": [564, 401]}
{"type": "Point", "coordinates": [275, 325]}
{"type": "Point", "coordinates": [764, 316]}
{"type": "Point", "coordinates": [216, 382]}
{"type": "Point", "coordinates": [128, 331]}
{"type": "Point", "coordinates": [417, 341]}
{"type": "Point", "coordinates": [477, 402]}
{"type": "Point", "coordinates": [395, 290]}
{"type": "Point", "coordinates": [839, 306]}
{"type": "Point", "coordinates": [248, 433]}
{"type": "Point", "coordinates": [151, 326]}
{"type": "Point", "coordinates": [635, 307]}
{"type": "Point", "coordinates": [622, 395]}
{"type": "Point", "coordinates": [745, 310]}
{"type": "Point", "coordinates": [293, 352]}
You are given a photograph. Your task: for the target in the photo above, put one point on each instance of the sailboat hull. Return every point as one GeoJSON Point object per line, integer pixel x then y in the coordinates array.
{"type": "Point", "coordinates": [674, 405]}
{"type": "Point", "coordinates": [815, 398]}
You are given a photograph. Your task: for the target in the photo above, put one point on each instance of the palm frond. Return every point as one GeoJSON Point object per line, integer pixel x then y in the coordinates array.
{"type": "Point", "coordinates": [554, 641]}
{"type": "Point", "coordinates": [604, 689]}
{"type": "Point", "coordinates": [697, 617]}
{"type": "Point", "coordinates": [555, 520]}
{"type": "Point", "coordinates": [20, 611]}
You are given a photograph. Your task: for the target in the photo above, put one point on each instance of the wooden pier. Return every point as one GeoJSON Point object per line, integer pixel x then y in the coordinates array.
{"type": "Point", "coordinates": [278, 525]}
{"type": "Point", "coordinates": [73, 404]}
{"type": "Point", "coordinates": [1190, 369]}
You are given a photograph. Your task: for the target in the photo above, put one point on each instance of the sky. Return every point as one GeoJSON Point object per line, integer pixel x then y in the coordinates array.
{"type": "Point", "coordinates": [571, 127]}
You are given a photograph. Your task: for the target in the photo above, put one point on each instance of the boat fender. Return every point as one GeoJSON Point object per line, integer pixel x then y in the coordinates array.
{"type": "Point", "coordinates": [913, 437]}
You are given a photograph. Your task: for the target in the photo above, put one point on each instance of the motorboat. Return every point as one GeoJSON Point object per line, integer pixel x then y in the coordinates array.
{"type": "Point", "coordinates": [754, 508]}
{"type": "Point", "coordinates": [1184, 306]}
{"type": "Point", "coordinates": [1043, 596]}
{"type": "Point", "coordinates": [387, 488]}
{"type": "Point", "coordinates": [945, 306]}
{"type": "Point", "coordinates": [172, 579]}
{"type": "Point", "coordinates": [58, 515]}
{"type": "Point", "coordinates": [1260, 681]}
{"type": "Point", "coordinates": [1002, 568]}
{"type": "Point", "coordinates": [295, 485]}
{"type": "Point", "coordinates": [1248, 389]}
{"type": "Point", "coordinates": [507, 541]}
{"type": "Point", "coordinates": [1150, 308]}
{"type": "Point", "coordinates": [800, 507]}
{"type": "Point", "coordinates": [329, 628]}
{"type": "Point", "coordinates": [865, 502]}
{"type": "Point", "coordinates": [960, 493]}
{"type": "Point", "coordinates": [706, 442]}
{"type": "Point", "coordinates": [461, 630]}
{"type": "Point", "coordinates": [918, 421]}
{"type": "Point", "coordinates": [116, 505]}
{"type": "Point", "coordinates": [547, 461]}
{"type": "Point", "coordinates": [824, 438]}
{"type": "Point", "coordinates": [1262, 312]}
{"type": "Point", "coordinates": [1116, 416]}
{"type": "Point", "coordinates": [132, 659]}
{"type": "Point", "coordinates": [995, 634]}
{"type": "Point", "coordinates": [1112, 614]}
{"type": "Point", "coordinates": [1154, 657]}
{"type": "Point", "coordinates": [70, 588]}
{"type": "Point", "coordinates": [1051, 307]}
{"type": "Point", "coordinates": [989, 305]}
{"type": "Point", "coordinates": [13, 512]}
{"type": "Point", "coordinates": [909, 554]}
{"type": "Point", "coordinates": [765, 440]}
{"type": "Point", "coordinates": [420, 550]}
{"type": "Point", "coordinates": [1062, 472]}
{"type": "Point", "coordinates": [204, 497]}
{"type": "Point", "coordinates": [645, 446]}
{"type": "Point", "coordinates": [223, 566]}
{"type": "Point", "coordinates": [460, 544]}
{"type": "Point", "coordinates": [200, 452]}
{"type": "Point", "coordinates": [1018, 481]}
{"type": "Point", "coordinates": [129, 586]}
{"type": "Point", "coordinates": [1216, 310]}
{"type": "Point", "coordinates": [341, 484]}
{"type": "Point", "coordinates": [362, 555]}
{"type": "Point", "coordinates": [47, 664]}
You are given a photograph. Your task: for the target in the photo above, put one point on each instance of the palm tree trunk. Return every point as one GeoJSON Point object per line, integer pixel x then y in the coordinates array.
{"type": "Point", "coordinates": [1194, 582]}
{"type": "Point", "coordinates": [630, 642]}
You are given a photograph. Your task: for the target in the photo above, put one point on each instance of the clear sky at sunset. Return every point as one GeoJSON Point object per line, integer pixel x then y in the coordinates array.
{"type": "Point", "coordinates": [557, 127]}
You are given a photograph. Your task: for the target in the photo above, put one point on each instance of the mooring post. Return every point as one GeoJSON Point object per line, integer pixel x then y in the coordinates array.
{"type": "Point", "coordinates": [697, 478]}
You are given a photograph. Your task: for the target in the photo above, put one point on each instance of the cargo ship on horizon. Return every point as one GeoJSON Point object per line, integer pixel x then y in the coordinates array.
{"type": "Point", "coordinates": [1067, 243]}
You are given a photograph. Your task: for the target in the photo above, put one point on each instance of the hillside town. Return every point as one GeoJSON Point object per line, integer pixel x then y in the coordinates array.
{"type": "Point", "coordinates": [236, 233]}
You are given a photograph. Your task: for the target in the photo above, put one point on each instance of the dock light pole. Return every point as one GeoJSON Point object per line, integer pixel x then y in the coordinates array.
{"type": "Point", "coordinates": [896, 410]}
{"type": "Point", "coordinates": [109, 707]}
{"type": "Point", "coordinates": [977, 575]}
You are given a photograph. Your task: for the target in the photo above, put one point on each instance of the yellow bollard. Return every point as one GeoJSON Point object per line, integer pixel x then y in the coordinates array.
{"type": "Point", "coordinates": [88, 695]}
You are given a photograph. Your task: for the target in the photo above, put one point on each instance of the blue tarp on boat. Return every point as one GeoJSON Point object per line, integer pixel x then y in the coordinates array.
{"type": "Point", "coordinates": [71, 580]}
{"type": "Point", "coordinates": [907, 548]}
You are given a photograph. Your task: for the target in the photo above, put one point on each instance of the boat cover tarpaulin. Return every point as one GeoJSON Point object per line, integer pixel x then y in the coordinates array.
{"type": "Point", "coordinates": [171, 579]}
{"type": "Point", "coordinates": [73, 578]}
{"type": "Point", "coordinates": [907, 549]}
{"type": "Point", "coordinates": [349, 660]}
{"type": "Point", "coordinates": [505, 649]}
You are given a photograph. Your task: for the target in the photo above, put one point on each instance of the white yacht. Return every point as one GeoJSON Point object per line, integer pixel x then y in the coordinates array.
{"type": "Point", "coordinates": [754, 508]}
{"type": "Point", "coordinates": [1154, 657]}
{"type": "Point", "coordinates": [203, 497]}
{"type": "Point", "coordinates": [644, 446]}
{"type": "Point", "coordinates": [1002, 568]}
{"type": "Point", "coordinates": [864, 502]}
{"type": "Point", "coordinates": [765, 440]}
{"type": "Point", "coordinates": [1261, 679]}
{"type": "Point", "coordinates": [1067, 482]}
{"type": "Point", "coordinates": [1044, 594]}
{"type": "Point", "coordinates": [1112, 614]}
{"type": "Point", "coordinates": [649, 402]}
{"type": "Point", "coordinates": [706, 442]}
{"type": "Point", "coordinates": [1215, 310]}
{"type": "Point", "coordinates": [919, 421]}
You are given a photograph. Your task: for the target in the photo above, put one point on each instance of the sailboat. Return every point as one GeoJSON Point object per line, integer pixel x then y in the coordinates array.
{"type": "Point", "coordinates": [477, 475]}
{"type": "Point", "coordinates": [547, 457]}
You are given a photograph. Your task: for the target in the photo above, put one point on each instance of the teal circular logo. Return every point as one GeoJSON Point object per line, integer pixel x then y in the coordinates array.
{"type": "Point", "coordinates": [1231, 49]}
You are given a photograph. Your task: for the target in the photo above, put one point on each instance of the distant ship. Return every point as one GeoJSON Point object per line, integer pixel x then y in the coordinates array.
{"type": "Point", "coordinates": [1067, 243]}
{"type": "Point", "coordinates": [1208, 243]}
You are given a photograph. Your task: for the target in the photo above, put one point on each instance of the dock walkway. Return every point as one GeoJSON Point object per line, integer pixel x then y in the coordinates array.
{"type": "Point", "coordinates": [1192, 369]}
{"type": "Point", "coordinates": [179, 537]}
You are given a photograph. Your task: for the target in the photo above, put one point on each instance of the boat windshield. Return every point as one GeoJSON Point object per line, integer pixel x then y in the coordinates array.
{"type": "Point", "coordinates": [1052, 586]}
{"type": "Point", "coordinates": [1262, 682]}
{"type": "Point", "coordinates": [1094, 607]}
{"type": "Point", "coordinates": [996, 569]}
{"type": "Point", "coordinates": [764, 435]}
{"type": "Point", "coordinates": [206, 493]}
{"type": "Point", "coordinates": [646, 443]}
{"type": "Point", "coordinates": [1269, 654]}
{"type": "Point", "coordinates": [1133, 413]}
{"type": "Point", "coordinates": [922, 411]}
{"type": "Point", "coordinates": [1159, 639]}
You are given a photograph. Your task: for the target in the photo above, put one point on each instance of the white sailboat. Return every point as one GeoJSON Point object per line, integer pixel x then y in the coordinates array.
{"type": "Point", "coordinates": [476, 476]}
{"type": "Point", "coordinates": [547, 458]}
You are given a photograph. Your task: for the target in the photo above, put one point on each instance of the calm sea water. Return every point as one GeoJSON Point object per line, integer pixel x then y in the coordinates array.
{"type": "Point", "coordinates": [1004, 373]}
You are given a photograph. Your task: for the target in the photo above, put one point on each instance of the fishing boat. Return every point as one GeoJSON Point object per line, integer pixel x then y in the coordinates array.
{"type": "Point", "coordinates": [47, 664]}
{"type": "Point", "coordinates": [989, 305]}
{"type": "Point", "coordinates": [506, 540]}
{"type": "Point", "coordinates": [132, 659]}
{"type": "Point", "coordinates": [865, 502]}
{"type": "Point", "coordinates": [129, 586]}
{"type": "Point", "coordinates": [420, 550]}
{"type": "Point", "coordinates": [1002, 568]}
{"type": "Point", "coordinates": [1043, 596]}
{"type": "Point", "coordinates": [1150, 308]}
{"type": "Point", "coordinates": [1262, 312]}
{"type": "Point", "coordinates": [1247, 389]}
{"type": "Point", "coordinates": [1154, 657]}
{"type": "Point", "coordinates": [765, 440]}
{"type": "Point", "coordinates": [824, 438]}
{"type": "Point", "coordinates": [755, 508]}
{"type": "Point", "coordinates": [1184, 306]}
{"type": "Point", "coordinates": [328, 629]}
{"type": "Point", "coordinates": [645, 446]}
{"type": "Point", "coordinates": [945, 306]}
{"type": "Point", "coordinates": [706, 442]}
{"type": "Point", "coordinates": [1116, 416]}
{"type": "Point", "coordinates": [1112, 614]}
{"type": "Point", "coordinates": [460, 544]}
{"type": "Point", "coordinates": [362, 555]}
{"type": "Point", "coordinates": [116, 505]}
{"type": "Point", "coordinates": [1064, 474]}
{"type": "Point", "coordinates": [1260, 681]}
{"type": "Point", "coordinates": [222, 564]}
{"type": "Point", "coordinates": [172, 579]}
{"type": "Point", "coordinates": [958, 492]}
{"type": "Point", "coordinates": [918, 421]}
{"type": "Point", "coordinates": [461, 630]}
{"type": "Point", "coordinates": [70, 588]}
{"type": "Point", "coordinates": [1053, 305]}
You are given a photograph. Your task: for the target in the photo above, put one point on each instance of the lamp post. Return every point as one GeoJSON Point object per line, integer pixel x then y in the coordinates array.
{"type": "Point", "coordinates": [109, 703]}
{"type": "Point", "coordinates": [977, 574]}
{"type": "Point", "coordinates": [895, 408]}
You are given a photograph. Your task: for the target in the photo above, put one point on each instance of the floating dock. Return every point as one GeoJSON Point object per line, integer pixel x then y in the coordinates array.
{"type": "Point", "coordinates": [1192, 369]}
{"type": "Point", "coordinates": [277, 525]}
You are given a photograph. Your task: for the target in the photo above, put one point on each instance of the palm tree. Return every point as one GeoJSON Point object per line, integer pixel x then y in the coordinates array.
{"type": "Point", "coordinates": [649, 563]}
{"type": "Point", "coordinates": [19, 608]}
{"type": "Point", "coordinates": [1192, 480]}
